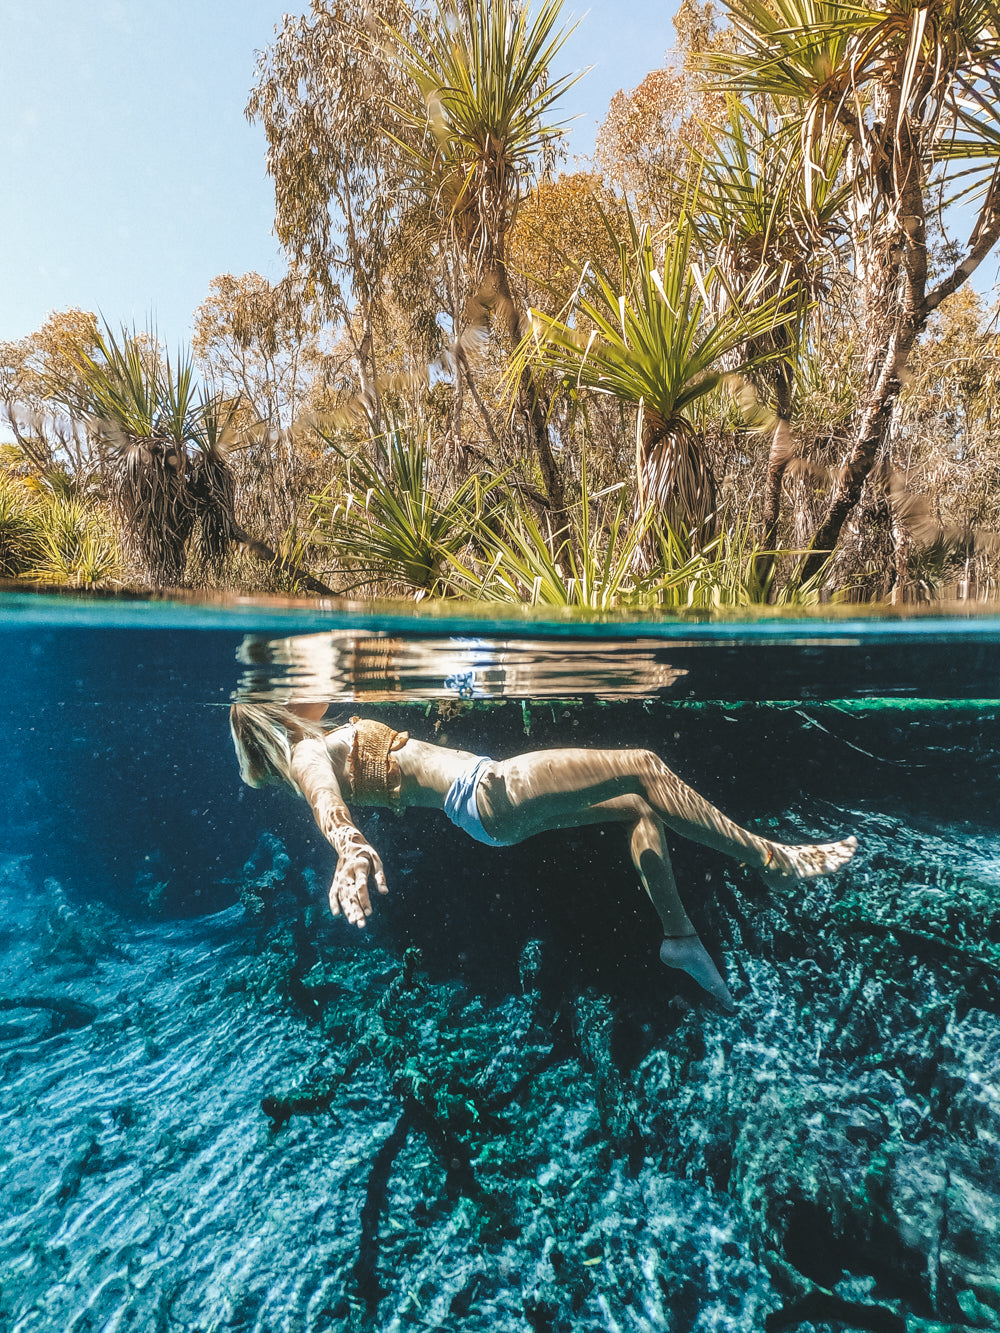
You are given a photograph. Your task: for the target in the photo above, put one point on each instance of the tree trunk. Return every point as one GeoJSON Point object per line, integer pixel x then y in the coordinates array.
{"type": "Point", "coordinates": [263, 552]}
{"type": "Point", "coordinates": [495, 295]}
{"type": "Point", "coordinates": [779, 456]}
{"type": "Point", "coordinates": [675, 478]}
{"type": "Point", "coordinates": [891, 256]}
{"type": "Point", "coordinates": [872, 433]}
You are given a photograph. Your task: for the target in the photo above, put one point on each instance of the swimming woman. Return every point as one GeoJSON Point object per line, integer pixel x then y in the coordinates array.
{"type": "Point", "coordinates": [503, 802]}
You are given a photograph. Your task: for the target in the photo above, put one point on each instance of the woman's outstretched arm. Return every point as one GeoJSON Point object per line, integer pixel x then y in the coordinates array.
{"type": "Point", "coordinates": [357, 860]}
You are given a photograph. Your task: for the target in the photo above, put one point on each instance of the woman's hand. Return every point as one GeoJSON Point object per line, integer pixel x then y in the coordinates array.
{"type": "Point", "coordinates": [357, 860]}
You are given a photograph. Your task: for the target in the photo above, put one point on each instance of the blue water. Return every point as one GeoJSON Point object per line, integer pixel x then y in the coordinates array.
{"type": "Point", "coordinates": [495, 1109]}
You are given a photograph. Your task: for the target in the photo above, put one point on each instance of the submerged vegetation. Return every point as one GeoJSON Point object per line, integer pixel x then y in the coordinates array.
{"type": "Point", "coordinates": [739, 360]}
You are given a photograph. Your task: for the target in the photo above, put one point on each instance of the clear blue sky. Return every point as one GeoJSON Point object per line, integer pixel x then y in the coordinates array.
{"type": "Point", "coordinates": [130, 177]}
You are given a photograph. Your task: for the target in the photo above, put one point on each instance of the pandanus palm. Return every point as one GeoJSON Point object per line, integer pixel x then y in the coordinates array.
{"type": "Point", "coordinates": [140, 408]}
{"type": "Point", "coordinates": [476, 139]}
{"type": "Point", "coordinates": [907, 94]}
{"type": "Point", "coordinates": [647, 335]}
{"type": "Point", "coordinates": [167, 464]}
{"type": "Point", "coordinates": [756, 214]}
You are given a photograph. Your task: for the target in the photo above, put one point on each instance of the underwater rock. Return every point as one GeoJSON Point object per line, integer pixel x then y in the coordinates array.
{"type": "Point", "coordinates": [87, 1158]}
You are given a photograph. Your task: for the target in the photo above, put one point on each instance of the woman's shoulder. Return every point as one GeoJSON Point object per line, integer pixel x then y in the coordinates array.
{"type": "Point", "coordinates": [339, 742]}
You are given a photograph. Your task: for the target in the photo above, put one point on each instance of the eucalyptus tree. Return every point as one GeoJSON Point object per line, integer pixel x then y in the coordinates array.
{"type": "Point", "coordinates": [647, 334]}
{"type": "Point", "coordinates": [474, 140]}
{"type": "Point", "coordinates": [32, 369]}
{"type": "Point", "coordinates": [325, 93]}
{"type": "Point", "coordinates": [908, 96]}
{"type": "Point", "coordinates": [258, 343]}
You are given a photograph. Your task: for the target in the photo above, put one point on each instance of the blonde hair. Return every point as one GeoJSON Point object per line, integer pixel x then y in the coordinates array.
{"type": "Point", "coordinates": [263, 736]}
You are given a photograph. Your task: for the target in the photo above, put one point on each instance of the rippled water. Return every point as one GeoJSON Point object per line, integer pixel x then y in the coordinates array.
{"type": "Point", "coordinates": [495, 1109]}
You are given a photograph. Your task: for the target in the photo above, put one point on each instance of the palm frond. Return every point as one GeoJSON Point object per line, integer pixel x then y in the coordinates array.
{"type": "Point", "coordinates": [758, 205]}
{"type": "Point", "coordinates": [391, 524]}
{"type": "Point", "coordinates": [828, 62]}
{"type": "Point", "coordinates": [120, 385]}
{"type": "Point", "coordinates": [645, 333]}
{"type": "Point", "coordinates": [482, 71]}
{"type": "Point", "coordinates": [180, 400]}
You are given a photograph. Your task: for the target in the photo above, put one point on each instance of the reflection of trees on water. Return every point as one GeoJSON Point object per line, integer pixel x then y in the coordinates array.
{"type": "Point", "coordinates": [344, 665]}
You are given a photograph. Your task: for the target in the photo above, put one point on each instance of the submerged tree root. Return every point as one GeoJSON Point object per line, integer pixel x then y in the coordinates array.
{"type": "Point", "coordinates": [455, 1104]}
{"type": "Point", "coordinates": [376, 1199]}
{"type": "Point", "coordinates": [65, 1013]}
{"type": "Point", "coordinates": [371, 1040]}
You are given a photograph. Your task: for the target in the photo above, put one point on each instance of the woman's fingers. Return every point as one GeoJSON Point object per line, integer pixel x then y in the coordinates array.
{"type": "Point", "coordinates": [379, 873]}
{"type": "Point", "coordinates": [361, 888]}
{"type": "Point", "coordinates": [349, 892]}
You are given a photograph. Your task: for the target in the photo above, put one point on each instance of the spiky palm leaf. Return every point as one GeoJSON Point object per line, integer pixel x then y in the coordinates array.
{"type": "Point", "coordinates": [590, 565]}
{"type": "Point", "coordinates": [758, 210]}
{"type": "Point", "coordinates": [482, 69]}
{"type": "Point", "coordinates": [909, 87]}
{"type": "Point", "coordinates": [475, 139]}
{"type": "Point", "coordinates": [391, 524]}
{"type": "Point", "coordinates": [123, 391]}
{"type": "Point", "coordinates": [647, 335]}
{"type": "Point", "coordinates": [164, 439]}
{"type": "Point", "coordinates": [753, 212]}
{"type": "Point", "coordinates": [827, 61]}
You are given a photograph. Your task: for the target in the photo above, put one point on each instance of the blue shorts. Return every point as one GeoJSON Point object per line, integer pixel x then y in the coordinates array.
{"type": "Point", "coordinates": [461, 807]}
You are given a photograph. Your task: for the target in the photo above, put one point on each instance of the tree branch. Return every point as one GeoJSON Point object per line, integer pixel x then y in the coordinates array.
{"type": "Point", "coordinates": [989, 234]}
{"type": "Point", "coordinates": [264, 553]}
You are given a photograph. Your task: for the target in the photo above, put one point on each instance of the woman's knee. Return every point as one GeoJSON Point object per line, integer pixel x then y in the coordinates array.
{"type": "Point", "coordinates": [645, 761]}
{"type": "Point", "coordinates": [640, 814]}
{"type": "Point", "coordinates": [646, 831]}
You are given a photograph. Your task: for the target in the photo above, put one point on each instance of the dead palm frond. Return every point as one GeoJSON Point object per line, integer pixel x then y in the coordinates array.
{"type": "Point", "coordinates": [213, 484]}
{"type": "Point", "coordinates": [163, 439]}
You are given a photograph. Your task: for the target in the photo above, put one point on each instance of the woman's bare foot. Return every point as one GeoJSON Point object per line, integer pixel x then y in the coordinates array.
{"type": "Point", "coordinates": [688, 954]}
{"type": "Point", "coordinates": [809, 860]}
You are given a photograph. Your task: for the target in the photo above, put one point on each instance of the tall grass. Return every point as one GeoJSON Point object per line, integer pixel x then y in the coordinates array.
{"type": "Point", "coordinates": [78, 545]}
{"type": "Point", "coordinates": [20, 544]}
{"type": "Point", "coordinates": [391, 524]}
{"type": "Point", "coordinates": [389, 527]}
{"type": "Point", "coordinates": [590, 563]}
{"type": "Point", "coordinates": [593, 567]}
{"type": "Point", "coordinates": [48, 534]}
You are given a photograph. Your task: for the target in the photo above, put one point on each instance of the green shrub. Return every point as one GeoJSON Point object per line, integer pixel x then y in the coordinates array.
{"type": "Point", "coordinates": [77, 544]}
{"type": "Point", "coordinates": [20, 541]}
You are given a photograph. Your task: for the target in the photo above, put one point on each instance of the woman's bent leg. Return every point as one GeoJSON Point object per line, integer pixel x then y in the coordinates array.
{"type": "Point", "coordinates": [681, 947]}
{"type": "Point", "coordinates": [548, 789]}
